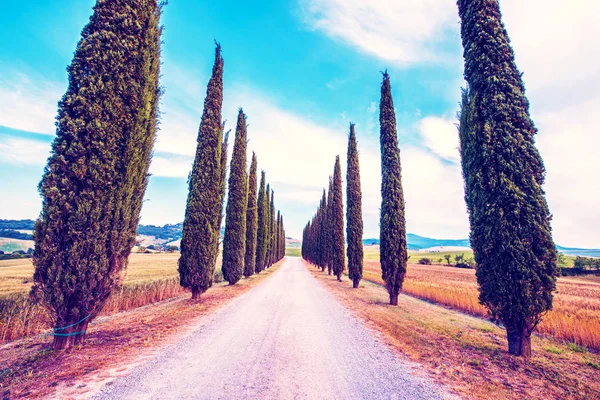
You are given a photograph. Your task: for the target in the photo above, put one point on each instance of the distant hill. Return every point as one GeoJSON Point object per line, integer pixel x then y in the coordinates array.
{"type": "Point", "coordinates": [26, 224]}
{"type": "Point", "coordinates": [570, 251]}
{"type": "Point", "coordinates": [416, 242]}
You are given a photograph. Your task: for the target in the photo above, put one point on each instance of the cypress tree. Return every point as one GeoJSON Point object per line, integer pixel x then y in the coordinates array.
{"type": "Point", "coordinates": [222, 180]}
{"type": "Point", "coordinates": [200, 230]}
{"type": "Point", "coordinates": [329, 229]}
{"type": "Point", "coordinates": [393, 255]}
{"type": "Point", "coordinates": [322, 233]}
{"type": "Point", "coordinates": [504, 172]}
{"type": "Point", "coordinates": [234, 241]}
{"type": "Point", "coordinates": [354, 225]}
{"type": "Point", "coordinates": [278, 238]}
{"type": "Point", "coordinates": [272, 229]}
{"type": "Point", "coordinates": [251, 221]}
{"type": "Point", "coordinates": [261, 234]}
{"type": "Point", "coordinates": [338, 257]}
{"type": "Point", "coordinates": [267, 227]}
{"type": "Point", "coordinates": [96, 176]}
{"type": "Point", "coordinates": [282, 240]}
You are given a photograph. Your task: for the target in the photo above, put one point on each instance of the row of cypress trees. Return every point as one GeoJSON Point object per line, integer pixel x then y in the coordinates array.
{"type": "Point", "coordinates": [503, 173]}
{"type": "Point", "coordinates": [254, 237]}
{"type": "Point", "coordinates": [323, 237]}
{"type": "Point", "coordinates": [96, 177]}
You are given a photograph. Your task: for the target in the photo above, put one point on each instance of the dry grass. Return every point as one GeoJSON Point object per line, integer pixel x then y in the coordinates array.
{"type": "Point", "coordinates": [151, 278]}
{"type": "Point", "coordinates": [575, 317]}
{"type": "Point", "coordinates": [30, 369]}
{"type": "Point", "coordinates": [468, 354]}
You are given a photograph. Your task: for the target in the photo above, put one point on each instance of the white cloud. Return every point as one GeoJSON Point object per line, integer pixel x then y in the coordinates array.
{"type": "Point", "coordinates": [567, 142]}
{"type": "Point", "coordinates": [28, 105]}
{"type": "Point", "coordinates": [403, 32]}
{"type": "Point", "coordinates": [441, 137]}
{"type": "Point", "coordinates": [556, 48]}
{"type": "Point", "coordinates": [18, 151]}
{"type": "Point", "coordinates": [171, 166]}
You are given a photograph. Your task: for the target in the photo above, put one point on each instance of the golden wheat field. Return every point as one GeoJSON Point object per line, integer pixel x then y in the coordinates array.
{"type": "Point", "coordinates": [575, 317]}
{"type": "Point", "coordinates": [150, 278]}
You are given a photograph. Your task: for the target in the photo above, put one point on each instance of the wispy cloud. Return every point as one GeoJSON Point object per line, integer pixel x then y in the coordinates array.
{"type": "Point", "coordinates": [28, 104]}
{"type": "Point", "coordinates": [403, 32]}
{"type": "Point", "coordinates": [18, 151]}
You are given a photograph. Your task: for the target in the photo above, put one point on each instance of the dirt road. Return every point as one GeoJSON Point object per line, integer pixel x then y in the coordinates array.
{"type": "Point", "coordinates": [288, 338]}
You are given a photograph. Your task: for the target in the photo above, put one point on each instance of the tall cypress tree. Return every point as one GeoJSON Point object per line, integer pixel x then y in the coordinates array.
{"type": "Point", "coordinates": [267, 226]}
{"type": "Point", "coordinates": [354, 226]}
{"type": "Point", "coordinates": [200, 231]}
{"type": "Point", "coordinates": [278, 237]}
{"type": "Point", "coordinates": [322, 233]}
{"type": "Point", "coordinates": [504, 172]}
{"type": "Point", "coordinates": [96, 176]}
{"type": "Point", "coordinates": [338, 257]}
{"type": "Point", "coordinates": [393, 255]}
{"type": "Point", "coordinates": [251, 221]}
{"type": "Point", "coordinates": [222, 180]}
{"type": "Point", "coordinates": [262, 232]}
{"type": "Point", "coordinates": [234, 241]}
{"type": "Point", "coordinates": [328, 229]}
{"type": "Point", "coordinates": [271, 229]}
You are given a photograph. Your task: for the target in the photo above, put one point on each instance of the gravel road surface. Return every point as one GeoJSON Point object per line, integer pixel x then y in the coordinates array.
{"type": "Point", "coordinates": [287, 338]}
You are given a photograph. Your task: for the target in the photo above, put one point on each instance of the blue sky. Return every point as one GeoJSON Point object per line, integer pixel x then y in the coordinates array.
{"type": "Point", "coordinates": [302, 70]}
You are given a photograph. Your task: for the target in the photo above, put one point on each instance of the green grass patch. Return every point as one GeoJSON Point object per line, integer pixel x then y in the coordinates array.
{"type": "Point", "coordinates": [293, 251]}
{"type": "Point", "coordinates": [553, 349]}
{"type": "Point", "coordinates": [576, 348]}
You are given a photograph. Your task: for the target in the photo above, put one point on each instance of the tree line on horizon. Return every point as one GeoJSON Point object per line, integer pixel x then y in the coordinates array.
{"type": "Point", "coordinates": [503, 173]}
{"type": "Point", "coordinates": [94, 182]}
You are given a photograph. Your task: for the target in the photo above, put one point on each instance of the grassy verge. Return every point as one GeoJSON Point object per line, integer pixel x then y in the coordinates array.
{"type": "Point", "coordinates": [30, 369]}
{"type": "Point", "coordinates": [468, 354]}
{"type": "Point", "coordinates": [575, 317]}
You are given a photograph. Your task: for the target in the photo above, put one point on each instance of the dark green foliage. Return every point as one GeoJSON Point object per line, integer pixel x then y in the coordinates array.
{"type": "Point", "coordinates": [321, 240]}
{"type": "Point", "coordinates": [262, 230]}
{"type": "Point", "coordinates": [272, 231]}
{"type": "Point", "coordinates": [200, 227]}
{"type": "Point", "coordinates": [338, 256]}
{"type": "Point", "coordinates": [354, 227]}
{"type": "Point", "coordinates": [327, 254]}
{"type": "Point", "coordinates": [234, 241]}
{"type": "Point", "coordinates": [222, 180]}
{"type": "Point", "coordinates": [251, 221]}
{"type": "Point", "coordinates": [267, 227]}
{"type": "Point", "coordinates": [393, 255]}
{"type": "Point", "coordinates": [96, 176]}
{"type": "Point", "coordinates": [504, 173]}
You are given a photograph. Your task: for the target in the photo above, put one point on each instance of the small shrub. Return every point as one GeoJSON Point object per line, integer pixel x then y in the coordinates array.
{"type": "Point", "coordinates": [425, 261]}
{"type": "Point", "coordinates": [553, 349]}
{"type": "Point", "coordinates": [463, 265]}
{"type": "Point", "coordinates": [576, 348]}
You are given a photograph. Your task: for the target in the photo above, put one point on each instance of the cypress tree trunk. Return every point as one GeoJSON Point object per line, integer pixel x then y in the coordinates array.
{"type": "Point", "coordinates": [393, 255]}
{"type": "Point", "coordinates": [234, 241]}
{"type": "Point", "coordinates": [329, 229]}
{"type": "Point", "coordinates": [200, 227]}
{"type": "Point", "coordinates": [503, 172]}
{"type": "Point", "coordinates": [222, 181]}
{"type": "Point", "coordinates": [96, 176]}
{"type": "Point", "coordinates": [338, 256]}
{"type": "Point", "coordinates": [354, 227]}
{"type": "Point", "coordinates": [262, 232]}
{"type": "Point", "coordinates": [251, 221]}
